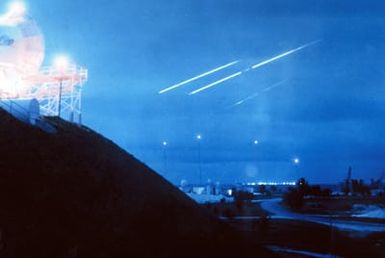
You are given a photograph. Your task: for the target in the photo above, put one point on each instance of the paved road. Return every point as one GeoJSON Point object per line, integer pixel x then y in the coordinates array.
{"type": "Point", "coordinates": [280, 212]}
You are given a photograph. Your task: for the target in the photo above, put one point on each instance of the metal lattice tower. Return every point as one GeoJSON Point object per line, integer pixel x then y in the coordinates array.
{"type": "Point", "coordinates": [51, 83]}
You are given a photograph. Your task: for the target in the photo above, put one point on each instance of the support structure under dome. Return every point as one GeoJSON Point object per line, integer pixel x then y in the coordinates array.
{"type": "Point", "coordinates": [55, 90]}
{"type": "Point", "coordinates": [59, 90]}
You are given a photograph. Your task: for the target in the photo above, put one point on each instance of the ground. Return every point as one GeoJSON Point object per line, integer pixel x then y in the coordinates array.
{"type": "Point", "coordinates": [76, 194]}
{"type": "Point", "coordinates": [257, 223]}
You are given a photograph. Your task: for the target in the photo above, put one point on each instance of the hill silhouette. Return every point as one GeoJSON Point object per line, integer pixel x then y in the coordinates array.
{"type": "Point", "coordinates": [76, 194]}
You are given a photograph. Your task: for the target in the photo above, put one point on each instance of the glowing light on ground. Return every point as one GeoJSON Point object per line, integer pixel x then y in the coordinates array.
{"type": "Point", "coordinates": [197, 77]}
{"type": "Point", "coordinates": [285, 183]}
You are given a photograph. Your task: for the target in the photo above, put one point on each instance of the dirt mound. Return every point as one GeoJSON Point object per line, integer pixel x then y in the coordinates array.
{"type": "Point", "coordinates": [76, 194]}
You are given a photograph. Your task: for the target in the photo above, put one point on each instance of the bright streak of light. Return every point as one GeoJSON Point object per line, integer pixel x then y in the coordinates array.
{"type": "Point", "coordinates": [198, 77]}
{"type": "Point", "coordinates": [215, 83]}
{"type": "Point", "coordinates": [246, 99]}
{"type": "Point", "coordinates": [275, 85]}
{"type": "Point", "coordinates": [283, 55]}
{"type": "Point", "coordinates": [257, 93]}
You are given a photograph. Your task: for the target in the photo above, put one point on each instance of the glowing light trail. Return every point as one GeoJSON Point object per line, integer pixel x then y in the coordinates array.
{"type": "Point", "coordinates": [215, 83]}
{"type": "Point", "coordinates": [257, 93]}
{"type": "Point", "coordinates": [198, 77]}
{"type": "Point", "coordinates": [246, 99]}
{"type": "Point", "coordinates": [254, 67]}
{"type": "Point", "coordinates": [283, 55]}
{"type": "Point", "coordinates": [275, 85]}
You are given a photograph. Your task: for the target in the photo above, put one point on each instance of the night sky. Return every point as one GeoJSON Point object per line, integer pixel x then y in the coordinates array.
{"type": "Point", "coordinates": [328, 112]}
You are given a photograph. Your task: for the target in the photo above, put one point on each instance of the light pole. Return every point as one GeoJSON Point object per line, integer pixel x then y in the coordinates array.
{"type": "Point", "coordinates": [164, 143]}
{"type": "Point", "coordinates": [296, 162]}
{"type": "Point", "coordinates": [199, 138]}
{"type": "Point", "coordinates": [61, 64]}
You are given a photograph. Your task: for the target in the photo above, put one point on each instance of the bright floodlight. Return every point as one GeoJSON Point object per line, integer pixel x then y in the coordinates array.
{"type": "Point", "coordinates": [165, 143]}
{"type": "Point", "coordinates": [199, 137]}
{"type": "Point", "coordinates": [296, 161]}
{"type": "Point", "coordinates": [256, 142]}
{"type": "Point", "coordinates": [17, 7]}
{"type": "Point", "coordinates": [61, 63]}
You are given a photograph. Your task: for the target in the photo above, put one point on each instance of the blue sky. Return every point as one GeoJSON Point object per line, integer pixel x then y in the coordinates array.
{"type": "Point", "coordinates": [329, 112]}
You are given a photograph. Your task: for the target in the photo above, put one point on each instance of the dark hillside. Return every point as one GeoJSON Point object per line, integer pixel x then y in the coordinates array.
{"type": "Point", "coordinates": [77, 194]}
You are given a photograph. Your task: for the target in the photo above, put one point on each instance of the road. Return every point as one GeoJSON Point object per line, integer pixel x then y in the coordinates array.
{"type": "Point", "coordinates": [280, 212]}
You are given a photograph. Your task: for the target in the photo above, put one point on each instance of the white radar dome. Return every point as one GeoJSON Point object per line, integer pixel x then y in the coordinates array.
{"type": "Point", "coordinates": [21, 48]}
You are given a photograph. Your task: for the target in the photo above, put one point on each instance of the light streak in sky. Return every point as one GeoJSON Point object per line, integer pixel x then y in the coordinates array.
{"type": "Point", "coordinates": [254, 67]}
{"type": "Point", "coordinates": [216, 83]}
{"type": "Point", "coordinates": [275, 85]}
{"type": "Point", "coordinates": [256, 94]}
{"type": "Point", "coordinates": [198, 77]}
{"type": "Point", "coordinates": [283, 55]}
{"type": "Point", "coordinates": [246, 99]}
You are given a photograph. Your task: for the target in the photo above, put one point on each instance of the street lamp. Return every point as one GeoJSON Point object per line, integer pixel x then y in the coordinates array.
{"type": "Point", "coordinates": [199, 138]}
{"type": "Point", "coordinates": [61, 63]}
{"type": "Point", "coordinates": [296, 162]}
{"type": "Point", "coordinates": [164, 143]}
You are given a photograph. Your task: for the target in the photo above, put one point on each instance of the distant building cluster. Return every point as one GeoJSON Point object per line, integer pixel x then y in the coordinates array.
{"type": "Point", "coordinates": [228, 190]}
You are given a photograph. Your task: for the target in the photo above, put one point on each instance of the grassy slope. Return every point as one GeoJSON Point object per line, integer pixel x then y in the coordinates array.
{"type": "Point", "coordinates": [76, 194]}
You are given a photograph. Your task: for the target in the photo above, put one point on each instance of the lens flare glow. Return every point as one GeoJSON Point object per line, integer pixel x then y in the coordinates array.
{"type": "Point", "coordinates": [61, 62]}
{"type": "Point", "coordinates": [17, 7]}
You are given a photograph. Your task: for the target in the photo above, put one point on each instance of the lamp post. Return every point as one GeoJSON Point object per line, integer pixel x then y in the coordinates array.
{"type": "Point", "coordinates": [61, 64]}
{"type": "Point", "coordinates": [296, 162]}
{"type": "Point", "coordinates": [199, 138]}
{"type": "Point", "coordinates": [165, 143]}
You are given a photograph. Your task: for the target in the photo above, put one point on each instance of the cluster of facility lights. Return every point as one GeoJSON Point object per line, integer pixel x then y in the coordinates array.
{"type": "Point", "coordinates": [285, 183]}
